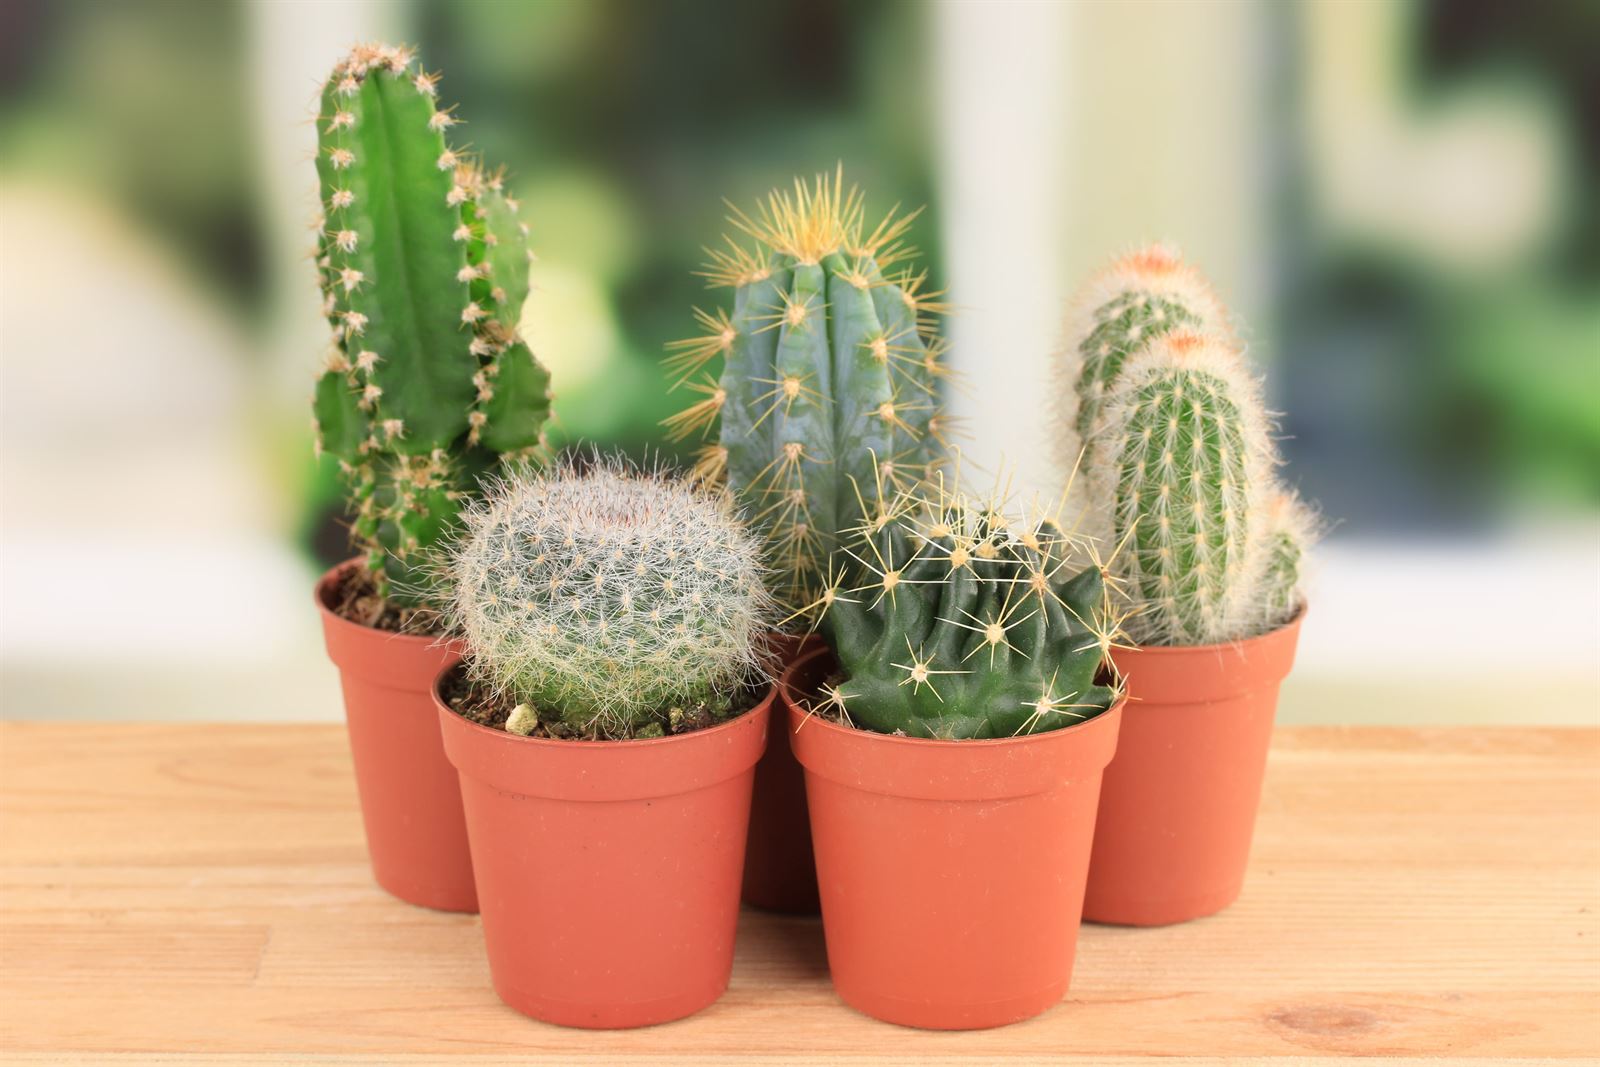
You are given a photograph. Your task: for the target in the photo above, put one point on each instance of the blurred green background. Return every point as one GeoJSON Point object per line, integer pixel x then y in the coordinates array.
{"type": "Point", "coordinates": [1402, 199]}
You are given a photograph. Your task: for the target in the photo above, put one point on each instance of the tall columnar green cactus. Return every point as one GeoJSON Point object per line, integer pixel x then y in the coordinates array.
{"type": "Point", "coordinates": [602, 599]}
{"type": "Point", "coordinates": [1182, 463]}
{"type": "Point", "coordinates": [1138, 298]}
{"type": "Point", "coordinates": [966, 622]}
{"type": "Point", "coordinates": [424, 270]}
{"type": "Point", "coordinates": [828, 394]}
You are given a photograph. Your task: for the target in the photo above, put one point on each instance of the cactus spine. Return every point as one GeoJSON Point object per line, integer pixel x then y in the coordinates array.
{"type": "Point", "coordinates": [424, 270]}
{"type": "Point", "coordinates": [607, 598]}
{"type": "Point", "coordinates": [827, 398]}
{"type": "Point", "coordinates": [967, 622]}
{"type": "Point", "coordinates": [1182, 455]}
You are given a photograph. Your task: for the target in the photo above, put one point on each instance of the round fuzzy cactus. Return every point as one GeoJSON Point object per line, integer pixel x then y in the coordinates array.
{"type": "Point", "coordinates": [1183, 458]}
{"type": "Point", "coordinates": [1137, 299]}
{"type": "Point", "coordinates": [605, 598]}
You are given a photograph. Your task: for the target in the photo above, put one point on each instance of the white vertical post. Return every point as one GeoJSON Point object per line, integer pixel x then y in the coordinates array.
{"type": "Point", "coordinates": [1002, 101]}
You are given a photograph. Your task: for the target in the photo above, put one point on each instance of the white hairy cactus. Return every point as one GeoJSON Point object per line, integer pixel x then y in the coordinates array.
{"type": "Point", "coordinates": [1292, 528]}
{"type": "Point", "coordinates": [1183, 463]}
{"type": "Point", "coordinates": [1136, 299]}
{"type": "Point", "coordinates": [606, 597]}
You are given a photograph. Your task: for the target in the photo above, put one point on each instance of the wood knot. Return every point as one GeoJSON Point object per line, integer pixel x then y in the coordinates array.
{"type": "Point", "coordinates": [1323, 1025]}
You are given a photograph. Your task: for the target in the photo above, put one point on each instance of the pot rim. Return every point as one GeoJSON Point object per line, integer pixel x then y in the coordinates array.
{"type": "Point", "coordinates": [1220, 646]}
{"type": "Point", "coordinates": [324, 586]}
{"type": "Point", "coordinates": [768, 697]}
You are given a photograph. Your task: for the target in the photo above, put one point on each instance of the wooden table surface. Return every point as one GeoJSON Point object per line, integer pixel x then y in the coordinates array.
{"type": "Point", "coordinates": [200, 894]}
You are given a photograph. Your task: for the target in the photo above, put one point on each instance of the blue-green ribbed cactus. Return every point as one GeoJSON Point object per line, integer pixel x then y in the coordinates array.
{"type": "Point", "coordinates": [424, 270]}
{"type": "Point", "coordinates": [961, 621]}
{"type": "Point", "coordinates": [828, 392]}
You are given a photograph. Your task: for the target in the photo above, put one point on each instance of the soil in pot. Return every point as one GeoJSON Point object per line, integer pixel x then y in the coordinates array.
{"type": "Point", "coordinates": [608, 872]}
{"type": "Point", "coordinates": [410, 801]}
{"type": "Point", "coordinates": [1179, 801]}
{"type": "Point", "coordinates": [951, 872]}
{"type": "Point", "coordinates": [779, 872]}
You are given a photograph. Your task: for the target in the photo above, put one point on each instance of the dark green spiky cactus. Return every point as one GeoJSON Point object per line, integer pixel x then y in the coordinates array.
{"type": "Point", "coordinates": [963, 622]}
{"type": "Point", "coordinates": [424, 270]}
{"type": "Point", "coordinates": [828, 394]}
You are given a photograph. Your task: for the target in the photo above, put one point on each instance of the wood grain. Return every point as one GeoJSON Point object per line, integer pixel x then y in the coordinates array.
{"type": "Point", "coordinates": [199, 894]}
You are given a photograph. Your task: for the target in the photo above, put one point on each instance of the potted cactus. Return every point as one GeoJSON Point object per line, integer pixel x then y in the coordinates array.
{"type": "Point", "coordinates": [953, 759]}
{"type": "Point", "coordinates": [606, 723]}
{"type": "Point", "coordinates": [826, 399]}
{"type": "Point", "coordinates": [427, 388]}
{"type": "Point", "coordinates": [1209, 546]}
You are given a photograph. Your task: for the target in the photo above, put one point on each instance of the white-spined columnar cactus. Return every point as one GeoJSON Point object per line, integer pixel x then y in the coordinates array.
{"type": "Point", "coordinates": [606, 597]}
{"type": "Point", "coordinates": [1181, 455]}
{"type": "Point", "coordinates": [1166, 420]}
{"type": "Point", "coordinates": [424, 270]}
{"type": "Point", "coordinates": [1138, 298]}
{"type": "Point", "coordinates": [1292, 528]}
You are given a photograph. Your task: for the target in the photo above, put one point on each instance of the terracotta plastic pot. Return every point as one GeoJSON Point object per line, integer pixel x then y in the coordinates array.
{"type": "Point", "coordinates": [779, 872]}
{"type": "Point", "coordinates": [608, 871]}
{"type": "Point", "coordinates": [410, 803]}
{"type": "Point", "coordinates": [951, 871]}
{"type": "Point", "coordinates": [1178, 807]}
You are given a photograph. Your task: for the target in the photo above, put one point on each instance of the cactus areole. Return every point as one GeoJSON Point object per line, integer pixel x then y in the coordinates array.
{"type": "Point", "coordinates": [828, 391]}
{"type": "Point", "coordinates": [424, 269]}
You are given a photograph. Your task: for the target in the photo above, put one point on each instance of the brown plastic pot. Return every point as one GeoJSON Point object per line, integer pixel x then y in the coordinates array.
{"type": "Point", "coordinates": [779, 872]}
{"type": "Point", "coordinates": [608, 871]}
{"type": "Point", "coordinates": [410, 803]}
{"type": "Point", "coordinates": [951, 872]}
{"type": "Point", "coordinates": [1178, 807]}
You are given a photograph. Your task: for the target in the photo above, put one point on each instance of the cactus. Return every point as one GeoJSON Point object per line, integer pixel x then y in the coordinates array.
{"type": "Point", "coordinates": [829, 378]}
{"type": "Point", "coordinates": [1291, 530]}
{"type": "Point", "coordinates": [604, 599]}
{"type": "Point", "coordinates": [424, 270]}
{"type": "Point", "coordinates": [1135, 300]}
{"type": "Point", "coordinates": [967, 622]}
{"type": "Point", "coordinates": [1182, 462]}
